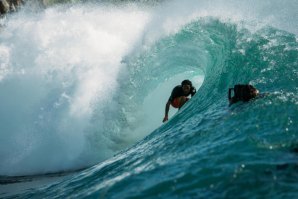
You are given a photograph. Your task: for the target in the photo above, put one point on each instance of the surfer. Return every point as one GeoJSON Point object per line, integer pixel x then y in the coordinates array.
{"type": "Point", "coordinates": [242, 92]}
{"type": "Point", "coordinates": [179, 96]}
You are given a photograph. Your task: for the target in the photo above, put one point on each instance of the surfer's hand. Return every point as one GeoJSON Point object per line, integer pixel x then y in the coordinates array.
{"type": "Point", "coordinates": [165, 119]}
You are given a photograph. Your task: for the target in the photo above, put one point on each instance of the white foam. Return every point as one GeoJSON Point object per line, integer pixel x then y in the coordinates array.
{"type": "Point", "coordinates": [59, 69]}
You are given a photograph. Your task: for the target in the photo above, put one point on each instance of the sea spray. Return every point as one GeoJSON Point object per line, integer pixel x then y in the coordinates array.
{"type": "Point", "coordinates": [59, 76]}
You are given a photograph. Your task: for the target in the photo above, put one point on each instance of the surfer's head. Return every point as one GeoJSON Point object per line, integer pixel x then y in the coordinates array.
{"type": "Point", "coordinates": [253, 92]}
{"type": "Point", "coordinates": [245, 92]}
{"type": "Point", "coordinates": [242, 92]}
{"type": "Point", "coordinates": [186, 86]}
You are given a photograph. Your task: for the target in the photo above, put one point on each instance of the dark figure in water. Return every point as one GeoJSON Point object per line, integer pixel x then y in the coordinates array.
{"type": "Point", "coordinates": [243, 93]}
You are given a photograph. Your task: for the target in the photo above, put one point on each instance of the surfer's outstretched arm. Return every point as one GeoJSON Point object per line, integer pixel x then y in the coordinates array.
{"type": "Point", "coordinates": [167, 111]}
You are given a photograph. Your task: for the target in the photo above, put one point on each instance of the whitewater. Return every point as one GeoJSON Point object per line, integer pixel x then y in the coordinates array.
{"type": "Point", "coordinates": [83, 88]}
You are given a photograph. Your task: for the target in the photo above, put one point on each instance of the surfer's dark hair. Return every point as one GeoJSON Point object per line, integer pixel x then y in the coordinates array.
{"type": "Point", "coordinates": [186, 82]}
{"type": "Point", "coordinates": [242, 92]}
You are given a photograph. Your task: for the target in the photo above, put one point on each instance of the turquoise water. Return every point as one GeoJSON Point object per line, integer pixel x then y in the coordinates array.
{"type": "Point", "coordinates": [84, 87]}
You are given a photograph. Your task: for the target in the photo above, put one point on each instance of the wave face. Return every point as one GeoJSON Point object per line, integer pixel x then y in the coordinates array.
{"type": "Point", "coordinates": [81, 83]}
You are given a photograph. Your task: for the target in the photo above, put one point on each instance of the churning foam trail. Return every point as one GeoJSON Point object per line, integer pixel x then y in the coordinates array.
{"type": "Point", "coordinates": [58, 72]}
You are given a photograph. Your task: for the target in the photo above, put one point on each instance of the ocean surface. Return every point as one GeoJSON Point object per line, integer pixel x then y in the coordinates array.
{"type": "Point", "coordinates": [83, 88]}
